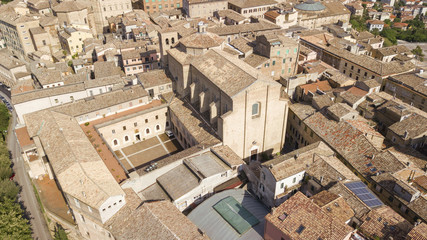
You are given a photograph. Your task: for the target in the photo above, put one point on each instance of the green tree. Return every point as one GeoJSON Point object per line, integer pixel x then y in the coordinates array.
{"type": "Point", "coordinates": [396, 20]}
{"type": "Point", "coordinates": [387, 43]}
{"type": "Point", "coordinates": [4, 117]}
{"type": "Point", "coordinates": [390, 34]}
{"type": "Point", "coordinates": [419, 53]}
{"type": "Point", "coordinates": [60, 233]}
{"type": "Point", "coordinates": [12, 223]}
{"type": "Point", "coordinates": [375, 31]}
{"type": "Point", "coordinates": [8, 189]}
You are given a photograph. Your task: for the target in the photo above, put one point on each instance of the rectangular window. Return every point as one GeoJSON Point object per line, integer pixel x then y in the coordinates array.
{"type": "Point", "coordinates": [278, 53]}
{"type": "Point", "coordinates": [274, 62]}
{"type": "Point", "coordinates": [282, 185]}
{"type": "Point", "coordinates": [284, 60]}
{"type": "Point", "coordinates": [135, 124]}
{"type": "Point", "coordinates": [255, 109]}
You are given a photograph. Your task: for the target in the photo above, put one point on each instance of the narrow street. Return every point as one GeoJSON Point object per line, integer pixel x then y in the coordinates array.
{"type": "Point", "coordinates": [27, 196]}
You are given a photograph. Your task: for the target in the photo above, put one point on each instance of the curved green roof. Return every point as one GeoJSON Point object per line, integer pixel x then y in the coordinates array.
{"type": "Point", "coordinates": [310, 5]}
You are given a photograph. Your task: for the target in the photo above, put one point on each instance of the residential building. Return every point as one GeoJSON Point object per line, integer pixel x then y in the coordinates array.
{"type": "Point", "coordinates": [251, 8]}
{"type": "Point", "coordinates": [230, 17]}
{"type": "Point", "coordinates": [203, 8]}
{"type": "Point", "coordinates": [383, 223]}
{"type": "Point", "coordinates": [274, 55]}
{"type": "Point", "coordinates": [15, 31]}
{"type": "Point", "coordinates": [39, 6]}
{"type": "Point", "coordinates": [284, 18]}
{"type": "Point", "coordinates": [404, 190]}
{"type": "Point", "coordinates": [355, 8]}
{"type": "Point", "coordinates": [71, 14]}
{"type": "Point", "coordinates": [155, 82]}
{"type": "Point", "coordinates": [387, 54]}
{"type": "Point", "coordinates": [150, 6]}
{"type": "Point", "coordinates": [358, 67]}
{"type": "Point", "coordinates": [231, 32]}
{"type": "Point", "coordinates": [71, 39]}
{"type": "Point", "coordinates": [375, 24]}
{"type": "Point", "coordinates": [141, 60]}
{"type": "Point", "coordinates": [410, 88]}
{"type": "Point", "coordinates": [12, 70]}
{"type": "Point", "coordinates": [389, 2]}
{"type": "Point", "coordinates": [301, 218]}
{"type": "Point", "coordinates": [39, 99]}
{"type": "Point", "coordinates": [309, 169]}
{"type": "Point", "coordinates": [103, 10]}
{"type": "Point", "coordinates": [409, 132]}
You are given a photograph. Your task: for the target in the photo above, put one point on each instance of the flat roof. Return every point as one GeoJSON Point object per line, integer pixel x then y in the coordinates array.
{"type": "Point", "coordinates": [210, 221]}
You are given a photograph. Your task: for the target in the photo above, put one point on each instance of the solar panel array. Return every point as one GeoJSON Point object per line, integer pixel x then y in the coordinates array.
{"type": "Point", "coordinates": [363, 193]}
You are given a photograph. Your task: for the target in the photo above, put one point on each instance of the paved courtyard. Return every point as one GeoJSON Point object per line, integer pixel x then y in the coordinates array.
{"type": "Point", "coordinates": [141, 154]}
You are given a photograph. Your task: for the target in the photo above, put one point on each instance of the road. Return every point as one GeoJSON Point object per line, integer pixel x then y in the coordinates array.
{"type": "Point", "coordinates": [27, 196]}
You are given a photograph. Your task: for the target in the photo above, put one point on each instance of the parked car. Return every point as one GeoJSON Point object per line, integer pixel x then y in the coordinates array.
{"type": "Point", "coordinates": [169, 133]}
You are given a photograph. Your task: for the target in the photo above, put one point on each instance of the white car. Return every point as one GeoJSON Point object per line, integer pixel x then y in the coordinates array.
{"type": "Point", "coordinates": [169, 133]}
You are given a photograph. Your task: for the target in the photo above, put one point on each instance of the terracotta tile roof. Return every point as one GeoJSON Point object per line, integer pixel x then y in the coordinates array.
{"type": "Point", "coordinates": [419, 232]}
{"type": "Point", "coordinates": [383, 223]}
{"type": "Point", "coordinates": [303, 219]}
{"type": "Point", "coordinates": [422, 182]}
{"type": "Point", "coordinates": [273, 14]}
{"type": "Point", "coordinates": [202, 40]}
{"type": "Point", "coordinates": [153, 78]}
{"type": "Point", "coordinates": [352, 145]}
{"type": "Point", "coordinates": [334, 205]}
{"type": "Point", "coordinates": [414, 81]}
{"type": "Point", "coordinates": [354, 202]}
{"type": "Point", "coordinates": [415, 126]}
{"type": "Point", "coordinates": [150, 220]}
{"type": "Point", "coordinates": [23, 137]}
{"type": "Point", "coordinates": [313, 87]}
{"type": "Point", "coordinates": [252, 3]}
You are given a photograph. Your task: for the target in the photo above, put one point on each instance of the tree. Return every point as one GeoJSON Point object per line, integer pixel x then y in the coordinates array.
{"type": "Point", "coordinates": [12, 223]}
{"type": "Point", "coordinates": [397, 20]}
{"type": "Point", "coordinates": [8, 189]}
{"type": "Point", "coordinates": [4, 117]}
{"type": "Point", "coordinates": [387, 43]}
{"type": "Point", "coordinates": [419, 53]}
{"type": "Point", "coordinates": [60, 233]}
{"type": "Point", "coordinates": [375, 31]}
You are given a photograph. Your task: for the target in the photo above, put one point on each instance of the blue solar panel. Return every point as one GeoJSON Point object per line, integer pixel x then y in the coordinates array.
{"type": "Point", "coordinates": [363, 193]}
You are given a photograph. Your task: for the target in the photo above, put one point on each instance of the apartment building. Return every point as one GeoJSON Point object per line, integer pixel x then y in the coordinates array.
{"type": "Point", "coordinates": [274, 55]}
{"type": "Point", "coordinates": [358, 67]}
{"type": "Point", "coordinates": [410, 88]}
{"type": "Point", "coordinates": [153, 6]}
{"type": "Point", "coordinates": [12, 70]}
{"type": "Point", "coordinates": [92, 193]}
{"type": "Point", "coordinates": [104, 9]}
{"type": "Point", "coordinates": [299, 216]}
{"type": "Point", "coordinates": [72, 39]}
{"type": "Point", "coordinates": [40, 99]}
{"type": "Point", "coordinates": [310, 169]}
{"type": "Point", "coordinates": [203, 8]}
{"type": "Point", "coordinates": [15, 31]}
{"type": "Point", "coordinates": [141, 60]}
{"type": "Point", "coordinates": [251, 8]}
{"type": "Point", "coordinates": [285, 18]}
{"type": "Point", "coordinates": [71, 13]}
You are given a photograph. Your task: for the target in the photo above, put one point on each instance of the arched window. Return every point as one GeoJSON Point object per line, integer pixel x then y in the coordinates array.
{"type": "Point", "coordinates": [167, 41]}
{"type": "Point", "coordinates": [147, 131]}
{"type": "Point", "coordinates": [126, 138]}
{"type": "Point", "coordinates": [255, 109]}
{"type": "Point", "coordinates": [157, 127]}
{"type": "Point", "coordinates": [115, 142]}
{"type": "Point", "coordinates": [173, 40]}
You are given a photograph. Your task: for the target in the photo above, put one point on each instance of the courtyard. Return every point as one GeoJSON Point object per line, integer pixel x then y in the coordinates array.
{"type": "Point", "coordinates": [143, 153]}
